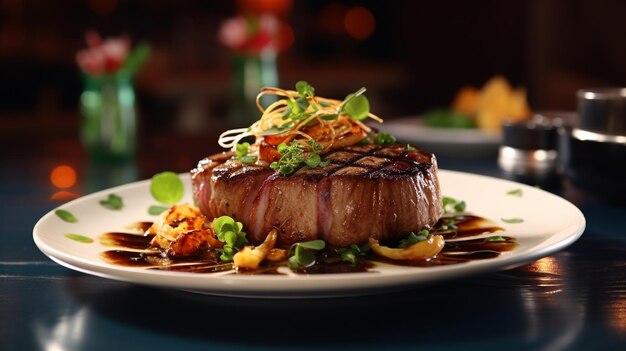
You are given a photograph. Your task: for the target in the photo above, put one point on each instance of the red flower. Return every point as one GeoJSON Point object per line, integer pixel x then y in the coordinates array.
{"type": "Point", "coordinates": [250, 35]}
{"type": "Point", "coordinates": [103, 56]}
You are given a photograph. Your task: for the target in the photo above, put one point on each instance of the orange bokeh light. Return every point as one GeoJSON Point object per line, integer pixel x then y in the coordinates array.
{"type": "Point", "coordinates": [359, 22]}
{"type": "Point", "coordinates": [63, 176]}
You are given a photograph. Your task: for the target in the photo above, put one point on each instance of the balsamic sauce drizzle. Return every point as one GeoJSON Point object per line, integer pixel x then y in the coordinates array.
{"type": "Point", "coordinates": [467, 242]}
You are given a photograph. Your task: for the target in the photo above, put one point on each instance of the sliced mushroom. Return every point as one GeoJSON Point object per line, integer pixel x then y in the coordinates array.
{"type": "Point", "coordinates": [420, 251]}
{"type": "Point", "coordinates": [250, 257]}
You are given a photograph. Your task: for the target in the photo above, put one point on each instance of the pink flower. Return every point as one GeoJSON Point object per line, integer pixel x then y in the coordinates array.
{"type": "Point", "coordinates": [103, 56]}
{"type": "Point", "coordinates": [251, 35]}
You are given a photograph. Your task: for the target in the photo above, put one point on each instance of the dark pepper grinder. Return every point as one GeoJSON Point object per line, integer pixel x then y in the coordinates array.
{"type": "Point", "coordinates": [593, 150]}
{"type": "Point", "coordinates": [528, 153]}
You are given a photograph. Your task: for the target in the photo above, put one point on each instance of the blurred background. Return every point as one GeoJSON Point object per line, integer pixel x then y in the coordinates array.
{"type": "Point", "coordinates": [411, 55]}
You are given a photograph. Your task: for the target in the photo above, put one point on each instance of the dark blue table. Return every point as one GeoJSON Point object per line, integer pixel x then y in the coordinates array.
{"type": "Point", "coordinates": [572, 300]}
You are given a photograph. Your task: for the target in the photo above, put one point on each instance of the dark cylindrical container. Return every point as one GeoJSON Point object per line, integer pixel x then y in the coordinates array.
{"type": "Point", "coordinates": [529, 151]}
{"type": "Point", "coordinates": [593, 150]}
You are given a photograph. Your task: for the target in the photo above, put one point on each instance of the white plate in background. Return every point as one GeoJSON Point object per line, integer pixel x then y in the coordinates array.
{"type": "Point", "coordinates": [458, 142]}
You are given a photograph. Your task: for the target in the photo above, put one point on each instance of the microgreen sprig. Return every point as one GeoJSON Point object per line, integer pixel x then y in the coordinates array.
{"type": "Point", "coordinates": [293, 155]}
{"type": "Point", "coordinates": [384, 139]}
{"type": "Point", "coordinates": [515, 192]}
{"type": "Point", "coordinates": [230, 233]}
{"type": "Point", "coordinates": [355, 105]}
{"type": "Point", "coordinates": [241, 153]}
{"type": "Point", "coordinates": [303, 254]}
{"type": "Point", "coordinates": [352, 252]}
{"type": "Point", "coordinates": [451, 205]}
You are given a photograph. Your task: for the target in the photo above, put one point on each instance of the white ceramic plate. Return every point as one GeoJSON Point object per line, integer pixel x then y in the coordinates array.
{"type": "Point", "coordinates": [443, 141]}
{"type": "Point", "coordinates": [550, 223]}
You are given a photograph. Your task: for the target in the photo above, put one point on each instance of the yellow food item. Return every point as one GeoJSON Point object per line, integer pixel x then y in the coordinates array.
{"type": "Point", "coordinates": [250, 257]}
{"type": "Point", "coordinates": [420, 251]}
{"type": "Point", "coordinates": [466, 101]}
{"type": "Point", "coordinates": [495, 103]}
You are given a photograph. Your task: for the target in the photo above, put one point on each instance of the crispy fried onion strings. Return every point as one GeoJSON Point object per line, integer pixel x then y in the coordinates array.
{"type": "Point", "coordinates": [323, 121]}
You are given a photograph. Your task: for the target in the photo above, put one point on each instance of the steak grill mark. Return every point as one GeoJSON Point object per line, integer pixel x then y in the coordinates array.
{"type": "Point", "coordinates": [365, 191]}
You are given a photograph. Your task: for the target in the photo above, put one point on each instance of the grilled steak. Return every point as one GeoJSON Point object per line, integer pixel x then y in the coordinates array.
{"type": "Point", "coordinates": [365, 191]}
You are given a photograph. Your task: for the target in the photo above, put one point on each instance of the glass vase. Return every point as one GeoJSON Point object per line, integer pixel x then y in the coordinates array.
{"type": "Point", "coordinates": [250, 74]}
{"type": "Point", "coordinates": [108, 128]}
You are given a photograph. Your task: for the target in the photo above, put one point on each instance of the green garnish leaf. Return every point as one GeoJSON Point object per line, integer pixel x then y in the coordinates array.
{"type": "Point", "coordinates": [286, 169]}
{"type": "Point", "coordinates": [296, 108]}
{"type": "Point", "coordinates": [241, 153]}
{"type": "Point", "coordinates": [305, 89]}
{"type": "Point", "coordinates": [156, 210]}
{"type": "Point", "coordinates": [66, 216]}
{"type": "Point", "coordinates": [313, 244]}
{"type": "Point", "coordinates": [303, 254]}
{"type": "Point", "coordinates": [514, 192]}
{"type": "Point", "coordinates": [356, 105]}
{"type": "Point", "coordinates": [495, 238]}
{"type": "Point", "coordinates": [450, 224]}
{"type": "Point", "coordinates": [513, 220]}
{"type": "Point", "coordinates": [413, 238]}
{"type": "Point", "coordinates": [446, 118]}
{"type": "Point", "coordinates": [330, 117]}
{"type": "Point", "coordinates": [293, 157]}
{"type": "Point", "coordinates": [451, 205]}
{"type": "Point", "coordinates": [410, 148]}
{"type": "Point", "coordinates": [230, 233]}
{"type": "Point", "coordinates": [384, 139]}
{"type": "Point", "coordinates": [313, 160]}
{"type": "Point", "coordinates": [112, 202]}
{"type": "Point", "coordinates": [80, 238]}
{"type": "Point", "coordinates": [166, 187]}
{"type": "Point", "coordinates": [241, 149]}
{"type": "Point", "coordinates": [460, 206]}
{"type": "Point", "coordinates": [352, 252]}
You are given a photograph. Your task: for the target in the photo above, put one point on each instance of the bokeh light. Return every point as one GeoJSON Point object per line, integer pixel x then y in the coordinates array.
{"type": "Point", "coordinates": [359, 22]}
{"type": "Point", "coordinates": [63, 176]}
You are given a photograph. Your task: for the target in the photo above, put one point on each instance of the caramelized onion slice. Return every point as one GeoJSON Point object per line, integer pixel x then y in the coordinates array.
{"type": "Point", "coordinates": [250, 257]}
{"type": "Point", "coordinates": [420, 251]}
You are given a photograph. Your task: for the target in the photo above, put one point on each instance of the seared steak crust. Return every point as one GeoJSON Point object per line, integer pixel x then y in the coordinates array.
{"type": "Point", "coordinates": [365, 191]}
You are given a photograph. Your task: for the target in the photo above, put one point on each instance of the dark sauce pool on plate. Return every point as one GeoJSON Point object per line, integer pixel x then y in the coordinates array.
{"type": "Point", "coordinates": [467, 239]}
